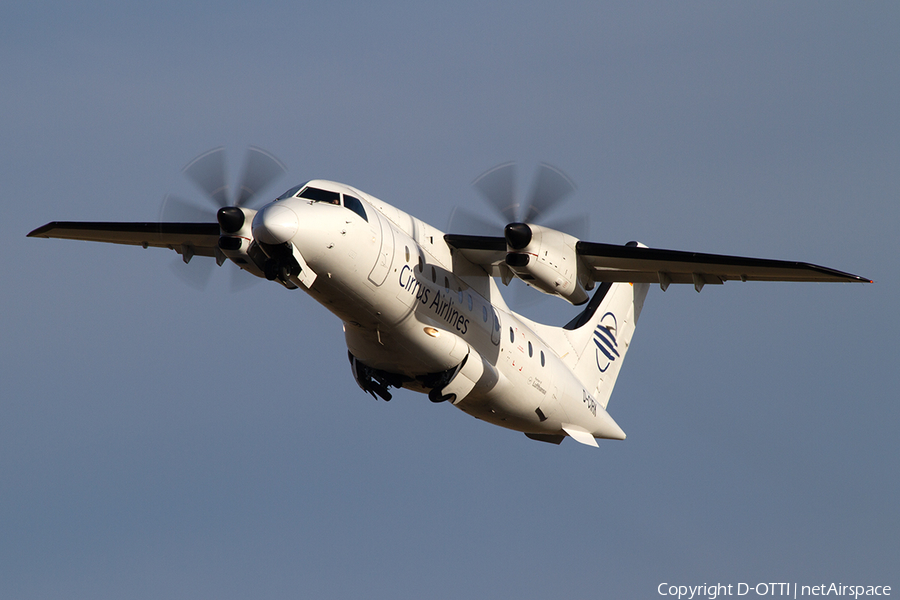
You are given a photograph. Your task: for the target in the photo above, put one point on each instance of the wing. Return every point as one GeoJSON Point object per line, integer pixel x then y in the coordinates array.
{"type": "Point", "coordinates": [188, 239]}
{"type": "Point", "coordinates": [637, 264]}
{"type": "Point", "coordinates": [485, 251]}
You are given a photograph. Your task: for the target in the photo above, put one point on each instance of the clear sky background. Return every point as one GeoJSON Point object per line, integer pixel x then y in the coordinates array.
{"type": "Point", "coordinates": [157, 441]}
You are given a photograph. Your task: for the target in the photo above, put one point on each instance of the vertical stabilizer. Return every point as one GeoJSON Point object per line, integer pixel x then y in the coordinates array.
{"type": "Point", "coordinates": [601, 335]}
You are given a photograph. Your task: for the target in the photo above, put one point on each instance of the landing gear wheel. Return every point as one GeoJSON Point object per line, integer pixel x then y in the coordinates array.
{"type": "Point", "coordinates": [436, 396]}
{"type": "Point", "coordinates": [270, 270]}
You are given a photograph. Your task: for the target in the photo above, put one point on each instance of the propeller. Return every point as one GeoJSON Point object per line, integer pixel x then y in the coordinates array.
{"type": "Point", "coordinates": [209, 173]}
{"type": "Point", "coordinates": [549, 189]}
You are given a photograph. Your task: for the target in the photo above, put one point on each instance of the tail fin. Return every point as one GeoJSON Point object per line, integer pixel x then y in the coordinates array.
{"type": "Point", "coordinates": [601, 335]}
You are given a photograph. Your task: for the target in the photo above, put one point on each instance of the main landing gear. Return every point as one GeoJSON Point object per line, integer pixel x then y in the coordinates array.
{"type": "Point", "coordinates": [374, 381]}
{"type": "Point", "coordinates": [378, 383]}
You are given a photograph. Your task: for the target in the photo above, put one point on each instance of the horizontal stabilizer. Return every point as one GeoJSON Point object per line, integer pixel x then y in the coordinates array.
{"type": "Point", "coordinates": [582, 436]}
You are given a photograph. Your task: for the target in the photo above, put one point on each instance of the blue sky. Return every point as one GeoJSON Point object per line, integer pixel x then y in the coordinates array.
{"type": "Point", "coordinates": [160, 441]}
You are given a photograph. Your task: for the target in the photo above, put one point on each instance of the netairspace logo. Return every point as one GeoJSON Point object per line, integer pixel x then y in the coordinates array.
{"type": "Point", "coordinates": [605, 339]}
{"type": "Point", "coordinates": [792, 590]}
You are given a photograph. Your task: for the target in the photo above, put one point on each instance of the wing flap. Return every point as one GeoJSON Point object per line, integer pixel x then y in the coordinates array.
{"type": "Point", "coordinates": [201, 238]}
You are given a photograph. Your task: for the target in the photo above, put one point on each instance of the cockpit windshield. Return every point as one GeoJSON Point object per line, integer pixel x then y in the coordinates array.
{"type": "Point", "coordinates": [356, 206]}
{"type": "Point", "coordinates": [290, 193]}
{"type": "Point", "coordinates": [317, 195]}
{"type": "Point", "coordinates": [327, 196]}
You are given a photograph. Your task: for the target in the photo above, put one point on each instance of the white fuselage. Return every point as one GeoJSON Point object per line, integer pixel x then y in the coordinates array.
{"type": "Point", "coordinates": [412, 308]}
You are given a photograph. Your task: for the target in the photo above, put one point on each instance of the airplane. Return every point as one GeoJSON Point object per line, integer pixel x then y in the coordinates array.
{"type": "Point", "coordinates": [422, 309]}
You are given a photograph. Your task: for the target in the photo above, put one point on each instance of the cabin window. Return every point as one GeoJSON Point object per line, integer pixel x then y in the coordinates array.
{"type": "Point", "coordinates": [406, 251]}
{"type": "Point", "coordinates": [512, 335]}
{"type": "Point", "coordinates": [469, 296]}
{"type": "Point", "coordinates": [421, 264]}
{"type": "Point", "coordinates": [433, 275]}
{"type": "Point", "coordinates": [484, 313]}
{"type": "Point", "coordinates": [530, 350]}
{"type": "Point", "coordinates": [446, 284]}
{"type": "Point", "coordinates": [542, 358]}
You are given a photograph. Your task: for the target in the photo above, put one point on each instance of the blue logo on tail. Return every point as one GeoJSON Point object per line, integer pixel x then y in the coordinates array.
{"type": "Point", "coordinates": [605, 340]}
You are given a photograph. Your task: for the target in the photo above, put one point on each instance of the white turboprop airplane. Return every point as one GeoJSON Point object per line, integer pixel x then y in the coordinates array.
{"type": "Point", "coordinates": [421, 309]}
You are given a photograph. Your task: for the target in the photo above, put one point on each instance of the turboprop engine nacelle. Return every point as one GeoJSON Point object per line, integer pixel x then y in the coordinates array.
{"type": "Point", "coordinates": [236, 239]}
{"type": "Point", "coordinates": [546, 259]}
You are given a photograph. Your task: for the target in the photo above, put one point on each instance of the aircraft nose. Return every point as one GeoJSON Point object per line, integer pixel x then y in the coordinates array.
{"type": "Point", "coordinates": [275, 224]}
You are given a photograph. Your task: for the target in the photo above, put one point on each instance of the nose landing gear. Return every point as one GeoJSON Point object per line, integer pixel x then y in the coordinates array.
{"type": "Point", "coordinates": [280, 264]}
